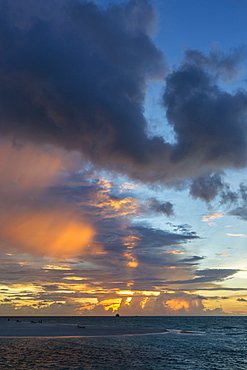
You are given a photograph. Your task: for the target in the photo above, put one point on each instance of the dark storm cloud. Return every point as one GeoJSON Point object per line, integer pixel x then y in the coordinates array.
{"type": "Point", "coordinates": [206, 187]}
{"type": "Point", "coordinates": [213, 298]}
{"type": "Point", "coordinates": [226, 65]}
{"type": "Point", "coordinates": [156, 206]}
{"type": "Point", "coordinates": [209, 124]}
{"type": "Point", "coordinates": [165, 261]}
{"type": "Point", "coordinates": [184, 229]}
{"type": "Point", "coordinates": [154, 238]}
{"type": "Point", "coordinates": [215, 274]}
{"type": "Point", "coordinates": [74, 74]}
{"type": "Point", "coordinates": [243, 191]}
{"type": "Point", "coordinates": [209, 186]}
{"type": "Point", "coordinates": [78, 80]}
{"type": "Point", "coordinates": [224, 289]}
{"type": "Point", "coordinates": [207, 276]}
{"type": "Point", "coordinates": [241, 212]}
{"type": "Point", "coordinates": [191, 260]}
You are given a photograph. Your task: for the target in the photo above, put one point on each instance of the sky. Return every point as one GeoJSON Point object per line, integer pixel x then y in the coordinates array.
{"type": "Point", "coordinates": [123, 155]}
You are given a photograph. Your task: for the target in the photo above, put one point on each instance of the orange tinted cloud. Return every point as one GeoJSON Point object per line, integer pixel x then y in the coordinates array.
{"type": "Point", "coordinates": [29, 166]}
{"type": "Point", "coordinates": [176, 304]}
{"type": "Point", "coordinates": [125, 292]}
{"type": "Point", "coordinates": [131, 241]}
{"type": "Point", "coordinates": [132, 260]}
{"type": "Point", "coordinates": [56, 233]}
{"type": "Point", "coordinates": [26, 172]}
{"type": "Point", "coordinates": [242, 235]}
{"type": "Point", "coordinates": [143, 303]}
{"type": "Point", "coordinates": [174, 252]}
{"type": "Point", "coordinates": [212, 216]}
{"type": "Point", "coordinates": [112, 304]}
{"type": "Point", "coordinates": [108, 206]}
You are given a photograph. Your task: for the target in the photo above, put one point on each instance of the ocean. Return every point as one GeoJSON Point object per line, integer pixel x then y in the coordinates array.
{"type": "Point", "coordinates": [204, 343]}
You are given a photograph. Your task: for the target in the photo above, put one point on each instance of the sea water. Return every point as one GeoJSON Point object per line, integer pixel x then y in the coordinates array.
{"type": "Point", "coordinates": [192, 343]}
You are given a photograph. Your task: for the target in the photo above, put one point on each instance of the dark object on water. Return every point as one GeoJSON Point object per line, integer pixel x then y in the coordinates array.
{"type": "Point", "coordinates": [80, 327]}
{"type": "Point", "coordinates": [40, 321]}
{"type": "Point", "coordinates": [117, 314]}
{"type": "Point", "coordinates": [33, 322]}
{"type": "Point", "coordinates": [18, 321]}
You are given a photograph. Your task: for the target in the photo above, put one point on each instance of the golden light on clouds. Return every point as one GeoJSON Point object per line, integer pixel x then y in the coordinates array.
{"type": "Point", "coordinates": [131, 241]}
{"type": "Point", "coordinates": [125, 292]}
{"type": "Point", "coordinates": [212, 216]}
{"type": "Point", "coordinates": [128, 300]}
{"type": "Point", "coordinates": [239, 235]}
{"type": "Point", "coordinates": [28, 224]}
{"type": "Point", "coordinates": [132, 260]}
{"type": "Point", "coordinates": [174, 252]}
{"type": "Point", "coordinates": [144, 302]}
{"type": "Point", "coordinates": [77, 278]}
{"type": "Point", "coordinates": [108, 206]}
{"type": "Point", "coordinates": [144, 292]}
{"type": "Point", "coordinates": [122, 203]}
{"type": "Point", "coordinates": [34, 222]}
{"type": "Point", "coordinates": [128, 186]}
{"type": "Point", "coordinates": [112, 304]}
{"type": "Point", "coordinates": [133, 264]}
{"type": "Point", "coordinates": [104, 183]}
{"type": "Point", "coordinates": [232, 304]}
{"type": "Point", "coordinates": [88, 300]}
{"type": "Point", "coordinates": [176, 304]}
{"type": "Point", "coordinates": [58, 233]}
{"type": "Point", "coordinates": [150, 293]}
{"type": "Point", "coordinates": [19, 288]}
{"type": "Point", "coordinates": [56, 267]}
{"type": "Point", "coordinates": [121, 207]}
{"type": "Point", "coordinates": [105, 204]}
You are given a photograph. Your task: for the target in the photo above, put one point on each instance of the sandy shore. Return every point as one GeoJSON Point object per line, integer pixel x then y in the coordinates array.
{"type": "Point", "coordinates": [28, 329]}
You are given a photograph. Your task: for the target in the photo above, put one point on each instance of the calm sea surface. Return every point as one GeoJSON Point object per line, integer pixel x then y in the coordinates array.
{"type": "Point", "coordinates": [221, 344]}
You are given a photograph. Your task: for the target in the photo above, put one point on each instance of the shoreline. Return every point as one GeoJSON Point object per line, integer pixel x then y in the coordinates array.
{"type": "Point", "coordinates": [35, 329]}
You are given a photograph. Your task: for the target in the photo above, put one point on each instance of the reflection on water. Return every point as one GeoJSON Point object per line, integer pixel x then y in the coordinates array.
{"type": "Point", "coordinates": [223, 346]}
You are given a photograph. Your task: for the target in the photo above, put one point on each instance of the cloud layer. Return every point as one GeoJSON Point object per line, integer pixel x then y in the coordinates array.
{"type": "Point", "coordinates": [74, 74]}
{"type": "Point", "coordinates": [73, 82]}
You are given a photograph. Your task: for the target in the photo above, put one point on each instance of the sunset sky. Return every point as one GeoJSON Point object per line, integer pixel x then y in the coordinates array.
{"type": "Point", "coordinates": [123, 156]}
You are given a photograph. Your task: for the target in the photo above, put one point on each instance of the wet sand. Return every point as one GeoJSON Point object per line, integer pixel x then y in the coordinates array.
{"type": "Point", "coordinates": [28, 329]}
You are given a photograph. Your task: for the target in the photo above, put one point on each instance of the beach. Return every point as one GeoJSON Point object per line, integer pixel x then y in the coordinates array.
{"type": "Point", "coordinates": [40, 329]}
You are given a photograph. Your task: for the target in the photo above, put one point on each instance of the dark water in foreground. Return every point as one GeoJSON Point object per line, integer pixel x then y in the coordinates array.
{"type": "Point", "coordinates": [221, 344]}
